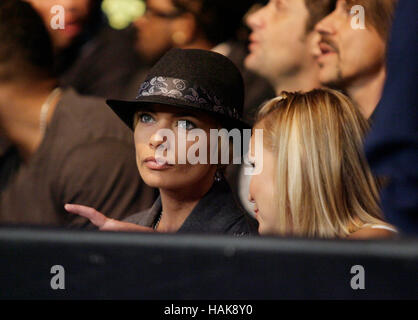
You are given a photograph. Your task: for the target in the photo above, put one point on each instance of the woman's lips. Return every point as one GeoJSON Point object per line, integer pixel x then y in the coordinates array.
{"type": "Point", "coordinates": [156, 164]}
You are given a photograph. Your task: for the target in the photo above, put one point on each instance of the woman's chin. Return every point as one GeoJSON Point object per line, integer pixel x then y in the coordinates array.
{"type": "Point", "coordinates": [161, 182]}
{"type": "Point", "coordinates": [154, 182]}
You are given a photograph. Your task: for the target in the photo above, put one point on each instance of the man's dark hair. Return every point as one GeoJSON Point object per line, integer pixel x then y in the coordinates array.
{"type": "Point", "coordinates": [219, 20]}
{"type": "Point", "coordinates": [318, 9]}
{"type": "Point", "coordinates": [25, 45]}
{"type": "Point", "coordinates": [380, 14]}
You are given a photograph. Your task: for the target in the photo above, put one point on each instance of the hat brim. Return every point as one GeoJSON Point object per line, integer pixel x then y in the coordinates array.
{"type": "Point", "coordinates": [125, 110]}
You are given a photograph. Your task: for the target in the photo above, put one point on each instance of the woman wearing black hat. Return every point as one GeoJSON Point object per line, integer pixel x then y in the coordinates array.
{"type": "Point", "coordinates": [185, 90]}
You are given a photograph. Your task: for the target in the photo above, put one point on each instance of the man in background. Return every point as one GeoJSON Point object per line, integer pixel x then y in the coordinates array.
{"type": "Point", "coordinates": [280, 50]}
{"type": "Point", "coordinates": [61, 147]}
{"type": "Point", "coordinates": [282, 42]}
{"type": "Point", "coordinates": [392, 146]}
{"type": "Point", "coordinates": [90, 56]}
{"type": "Point", "coordinates": [353, 59]}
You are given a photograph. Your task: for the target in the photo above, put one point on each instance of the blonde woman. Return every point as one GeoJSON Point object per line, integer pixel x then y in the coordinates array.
{"type": "Point", "coordinates": [313, 158]}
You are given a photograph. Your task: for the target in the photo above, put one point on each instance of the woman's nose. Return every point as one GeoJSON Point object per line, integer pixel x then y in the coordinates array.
{"type": "Point", "coordinates": [157, 140]}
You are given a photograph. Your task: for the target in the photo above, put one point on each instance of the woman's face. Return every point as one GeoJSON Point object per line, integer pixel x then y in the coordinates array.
{"type": "Point", "coordinates": [153, 150]}
{"type": "Point", "coordinates": [262, 188]}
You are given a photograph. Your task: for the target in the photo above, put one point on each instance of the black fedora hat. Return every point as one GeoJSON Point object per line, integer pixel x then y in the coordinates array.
{"type": "Point", "coordinates": [190, 79]}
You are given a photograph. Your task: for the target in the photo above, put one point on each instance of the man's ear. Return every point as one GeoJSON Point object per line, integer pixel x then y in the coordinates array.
{"type": "Point", "coordinates": [184, 30]}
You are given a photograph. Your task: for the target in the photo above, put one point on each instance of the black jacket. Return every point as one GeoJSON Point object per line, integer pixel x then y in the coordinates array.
{"type": "Point", "coordinates": [217, 212]}
{"type": "Point", "coordinates": [392, 145]}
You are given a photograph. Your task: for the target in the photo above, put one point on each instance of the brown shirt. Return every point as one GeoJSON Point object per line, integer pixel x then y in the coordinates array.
{"type": "Point", "coordinates": [86, 157]}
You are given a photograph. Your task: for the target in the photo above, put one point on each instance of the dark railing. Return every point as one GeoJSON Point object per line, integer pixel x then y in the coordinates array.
{"type": "Point", "coordinates": [105, 265]}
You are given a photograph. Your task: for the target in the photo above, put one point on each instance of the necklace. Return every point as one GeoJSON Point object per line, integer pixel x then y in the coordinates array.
{"type": "Point", "coordinates": [45, 108]}
{"type": "Point", "coordinates": [158, 221]}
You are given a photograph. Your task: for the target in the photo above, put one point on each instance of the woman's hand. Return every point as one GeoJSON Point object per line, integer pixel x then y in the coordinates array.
{"type": "Point", "coordinates": [102, 222]}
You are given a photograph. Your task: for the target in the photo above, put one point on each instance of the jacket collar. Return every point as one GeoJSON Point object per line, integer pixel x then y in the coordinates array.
{"type": "Point", "coordinates": [215, 212]}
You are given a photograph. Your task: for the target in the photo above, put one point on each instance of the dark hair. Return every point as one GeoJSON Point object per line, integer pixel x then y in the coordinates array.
{"type": "Point", "coordinates": [219, 20]}
{"type": "Point", "coordinates": [25, 45]}
{"type": "Point", "coordinates": [318, 9]}
{"type": "Point", "coordinates": [380, 14]}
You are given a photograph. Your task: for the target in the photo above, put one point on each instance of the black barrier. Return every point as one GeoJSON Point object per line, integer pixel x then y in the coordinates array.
{"type": "Point", "coordinates": [63, 264]}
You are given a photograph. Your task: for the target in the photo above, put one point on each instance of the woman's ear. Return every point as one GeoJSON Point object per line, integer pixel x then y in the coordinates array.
{"type": "Point", "coordinates": [184, 30]}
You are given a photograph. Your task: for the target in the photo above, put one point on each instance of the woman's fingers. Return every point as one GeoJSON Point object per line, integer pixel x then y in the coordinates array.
{"type": "Point", "coordinates": [96, 218]}
{"type": "Point", "coordinates": [102, 222]}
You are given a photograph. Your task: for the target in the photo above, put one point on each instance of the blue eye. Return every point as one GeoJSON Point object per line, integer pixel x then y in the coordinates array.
{"type": "Point", "coordinates": [145, 118]}
{"type": "Point", "coordinates": [186, 124]}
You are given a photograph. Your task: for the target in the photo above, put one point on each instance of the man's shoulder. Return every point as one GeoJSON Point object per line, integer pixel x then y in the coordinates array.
{"type": "Point", "coordinates": [81, 108]}
{"type": "Point", "coordinates": [88, 118]}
